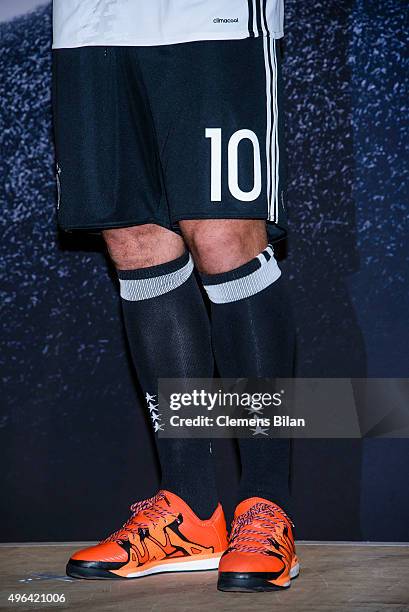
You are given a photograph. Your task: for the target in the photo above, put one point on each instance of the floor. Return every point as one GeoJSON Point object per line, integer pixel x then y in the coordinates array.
{"type": "Point", "coordinates": [345, 577]}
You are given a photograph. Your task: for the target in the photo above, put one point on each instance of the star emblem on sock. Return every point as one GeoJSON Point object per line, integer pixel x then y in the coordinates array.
{"type": "Point", "coordinates": [252, 410]}
{"type": "Point", "coordinates": [260, 431]}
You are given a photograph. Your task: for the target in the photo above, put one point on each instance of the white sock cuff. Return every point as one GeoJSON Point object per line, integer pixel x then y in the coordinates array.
{"type": "Point", "coordinates": [144, 287]}
{"type": "Point", "coordinates": [245, 281]}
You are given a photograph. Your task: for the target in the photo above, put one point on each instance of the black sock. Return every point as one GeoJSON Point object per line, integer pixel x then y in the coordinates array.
{"type": "Point", "coordinates": [253, 336]}
{"type": "Point", "coordinates": [169, 335]}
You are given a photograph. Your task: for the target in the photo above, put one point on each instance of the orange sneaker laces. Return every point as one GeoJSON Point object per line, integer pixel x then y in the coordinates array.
{"type": "Point", "coordinates": [151, 511]}
{"type": "Point", "coordinates": [269, 520]}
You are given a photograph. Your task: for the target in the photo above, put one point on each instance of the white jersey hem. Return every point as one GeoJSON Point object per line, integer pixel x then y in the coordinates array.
{"type": "Point", "coordinates": [202, 37]}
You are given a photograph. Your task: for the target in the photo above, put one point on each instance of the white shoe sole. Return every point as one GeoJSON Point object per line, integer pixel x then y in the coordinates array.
{"type": "Point", "coordinates": [181, 566]}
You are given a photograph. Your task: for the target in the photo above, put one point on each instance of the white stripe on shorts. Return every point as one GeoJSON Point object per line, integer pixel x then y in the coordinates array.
{"type": "Point", "coordinates": [272, 148]}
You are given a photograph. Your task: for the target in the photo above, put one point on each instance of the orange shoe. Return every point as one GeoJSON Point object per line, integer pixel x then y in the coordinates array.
{"type": "Point", "coordinates": [261, 553]}
{"type": "Point", "coordinates": [162, 535]}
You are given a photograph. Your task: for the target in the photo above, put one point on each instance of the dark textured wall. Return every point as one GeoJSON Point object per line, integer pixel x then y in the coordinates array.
{"type": "Point", "coordinates": [75, 446]}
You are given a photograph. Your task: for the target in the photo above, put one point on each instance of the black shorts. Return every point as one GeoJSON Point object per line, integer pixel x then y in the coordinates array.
{"type": "Point", "coordinates": [160, 134]}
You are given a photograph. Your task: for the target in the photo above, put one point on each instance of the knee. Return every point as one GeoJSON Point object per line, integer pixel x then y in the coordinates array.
{"type": "Point", "coordinates": [221, 245]}
{"type": "Point", "coordinates": [142, 246]}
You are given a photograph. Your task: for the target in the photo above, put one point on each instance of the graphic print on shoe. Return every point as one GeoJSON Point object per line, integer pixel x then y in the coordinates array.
{"type": "Point", "coordinates": [162, 535]}
{"type": "Point", "coordinates": [261, 554]}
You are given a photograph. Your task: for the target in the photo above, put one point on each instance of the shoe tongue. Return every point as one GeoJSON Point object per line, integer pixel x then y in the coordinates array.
{"type": "Point", "coordinates": [163, 499]}
{"type": "Point", "coordinates": [246, 504]}
{"type": "Point", "coordinates": [171, 501]}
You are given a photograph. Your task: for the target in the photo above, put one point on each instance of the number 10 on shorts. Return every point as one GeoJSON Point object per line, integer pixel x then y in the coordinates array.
{"type": "Point", "coordinates": [216, 145]}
